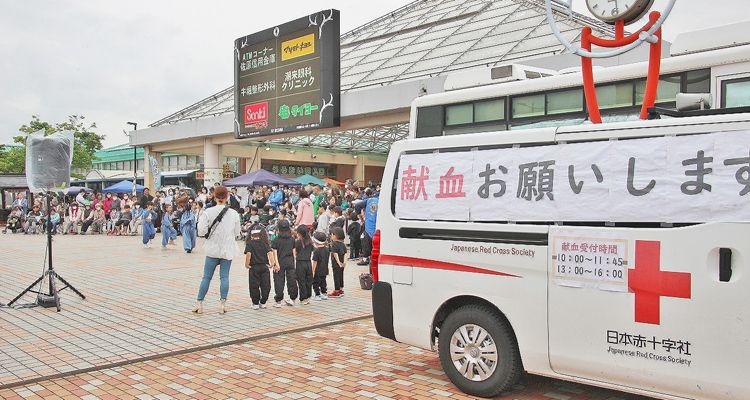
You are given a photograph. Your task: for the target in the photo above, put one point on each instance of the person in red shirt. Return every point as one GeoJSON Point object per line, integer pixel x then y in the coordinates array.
{"type": "Point", "coordinates": [97, 200]}
{"type": "Point", "coordinates": [106, 203]}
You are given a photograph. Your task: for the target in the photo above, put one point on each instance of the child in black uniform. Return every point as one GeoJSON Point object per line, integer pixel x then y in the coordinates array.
{"type": "Point", "coordinates": [320, 266]}
{"type": "Point", "coordinates": [354, 230]}
{"type": "Point", "coordinates": [283, 257]}
{"type": "Point", "coordinates": [257, 255]}
{"type": "Point", "coordinates": [303, 249]}
{"type": "Point", "coordinates": [338, 260]}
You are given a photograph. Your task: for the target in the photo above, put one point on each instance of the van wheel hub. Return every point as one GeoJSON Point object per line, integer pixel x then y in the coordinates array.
{"type": "Point", "coordinates": [473, 352]}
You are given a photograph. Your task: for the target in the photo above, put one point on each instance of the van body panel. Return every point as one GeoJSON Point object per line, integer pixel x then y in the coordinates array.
{"type": "Point", "coordinates": [575, 333]}
{"type": "Point", "coordinates": [513, 281]}
{"type": "Point", "coordinates": [698, 346]}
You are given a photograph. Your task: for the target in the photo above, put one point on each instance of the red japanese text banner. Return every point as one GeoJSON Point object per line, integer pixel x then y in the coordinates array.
{"type": "Point", "coordinates": [695, 178]}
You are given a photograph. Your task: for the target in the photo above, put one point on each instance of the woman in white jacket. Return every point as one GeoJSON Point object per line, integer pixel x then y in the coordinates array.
{"type": "Point", "coordinates": [220, 247]}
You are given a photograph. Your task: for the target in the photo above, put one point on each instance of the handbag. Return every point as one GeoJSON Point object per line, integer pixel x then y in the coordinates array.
{"type": "Point", "coordinates": [217, 220]}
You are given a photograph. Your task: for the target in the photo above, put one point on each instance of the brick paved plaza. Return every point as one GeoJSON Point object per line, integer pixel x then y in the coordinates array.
{"type": "Point", "coordinates": [134, 335]}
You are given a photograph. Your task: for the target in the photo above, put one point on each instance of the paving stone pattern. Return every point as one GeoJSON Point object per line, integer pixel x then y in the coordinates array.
{"type": "Point", "coordinates": [346, 361]}
{"type": "Point", "coordinates": [135, 338]}
{"type": "Point", "coordinates": [137, 305]}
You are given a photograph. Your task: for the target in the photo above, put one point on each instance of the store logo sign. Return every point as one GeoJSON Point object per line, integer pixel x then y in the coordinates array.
{"type": "Point", "coordinates": [256, 113]}
{"type": "Point", "coordinates": [298, 47]}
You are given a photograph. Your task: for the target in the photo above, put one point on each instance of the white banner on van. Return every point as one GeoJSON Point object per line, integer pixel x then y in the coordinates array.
{"type": "Point", "coordinates": [695, 178]}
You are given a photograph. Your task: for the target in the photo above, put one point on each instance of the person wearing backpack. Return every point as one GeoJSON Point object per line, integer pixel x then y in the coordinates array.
{"type": "Point", "coordinates": [220, 225]}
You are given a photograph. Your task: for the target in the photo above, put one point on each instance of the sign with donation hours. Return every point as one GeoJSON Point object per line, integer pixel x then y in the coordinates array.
{"type": "Point", "coordinates": [691, 179]}
{"type": "Point", "coordinates": [287, 78]}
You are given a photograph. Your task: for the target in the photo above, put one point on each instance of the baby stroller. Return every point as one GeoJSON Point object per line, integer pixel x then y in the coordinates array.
{"type": "Point", "coordinates": [14, 223]}
{"type": "Point", "coordinates": [37, 225]}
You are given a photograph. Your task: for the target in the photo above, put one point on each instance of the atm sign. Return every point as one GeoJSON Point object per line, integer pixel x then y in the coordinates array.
{"type": "Point", "coordinates": [256, 112]}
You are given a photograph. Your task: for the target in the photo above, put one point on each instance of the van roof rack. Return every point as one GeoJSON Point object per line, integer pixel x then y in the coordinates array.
{"type": "Point", "coordinates": [657, 112]}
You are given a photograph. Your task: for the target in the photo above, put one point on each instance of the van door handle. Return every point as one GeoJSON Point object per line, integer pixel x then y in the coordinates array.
{"type": "Point", "coordinates": [725, 264]}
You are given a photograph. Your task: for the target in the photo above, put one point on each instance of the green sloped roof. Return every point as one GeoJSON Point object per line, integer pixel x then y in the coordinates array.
{"type": "Point", "coordinates": [122, 152]}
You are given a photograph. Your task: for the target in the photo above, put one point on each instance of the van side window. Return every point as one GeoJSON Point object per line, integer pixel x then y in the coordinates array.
{"type": "Point", "coordinates": [430, 121]}
{"type": "Point", "coordinates": [735, 93]}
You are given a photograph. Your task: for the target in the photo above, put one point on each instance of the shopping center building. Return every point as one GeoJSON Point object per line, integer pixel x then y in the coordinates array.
{"type": "Point", "coordinates": [384, 64]}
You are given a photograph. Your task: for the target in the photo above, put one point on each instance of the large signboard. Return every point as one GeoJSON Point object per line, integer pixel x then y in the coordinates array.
{"type": "Point", "coordinates": [691, 179]}
{"type": "Point", "coordinates": [287, 78]}
{"type": "Point", "coordinates": [294, 170]}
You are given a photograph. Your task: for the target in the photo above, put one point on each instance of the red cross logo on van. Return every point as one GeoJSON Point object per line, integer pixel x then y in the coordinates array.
{"type": "Point", "coordinates": [650, 283]}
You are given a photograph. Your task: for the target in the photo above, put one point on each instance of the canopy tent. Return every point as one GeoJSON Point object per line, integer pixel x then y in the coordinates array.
{"type": "Point", "coordinates": [125, 186]}
{"type": "Point", "coordinates": [333, 182]}
{"type": "Point", "coordinates": [259, 178]}
{"type": "Point", "coordinates": [305, 179]}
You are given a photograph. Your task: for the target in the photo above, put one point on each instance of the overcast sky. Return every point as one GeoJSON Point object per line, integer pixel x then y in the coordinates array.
{"type": "Point", "coordinates": [138, 60]}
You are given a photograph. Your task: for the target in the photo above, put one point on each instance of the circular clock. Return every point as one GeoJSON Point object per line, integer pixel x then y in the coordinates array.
{"type": "Point", "coordinates": [611, 11]}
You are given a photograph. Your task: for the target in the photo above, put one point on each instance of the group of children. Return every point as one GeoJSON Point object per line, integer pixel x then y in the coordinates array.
{"type": "Point", "coordinates": [301, 263]}
{"type": "Point", "coordinates": [188, 222]}
{"type": "Point", "coordinates": [267, 216]}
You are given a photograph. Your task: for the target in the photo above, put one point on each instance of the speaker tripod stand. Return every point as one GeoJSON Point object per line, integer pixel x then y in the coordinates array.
{"type": "Point", "coordinates": [49, 272]}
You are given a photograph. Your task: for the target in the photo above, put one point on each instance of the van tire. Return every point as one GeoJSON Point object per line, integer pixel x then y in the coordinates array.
{"type": "Point", "coordinates": [500, 340]}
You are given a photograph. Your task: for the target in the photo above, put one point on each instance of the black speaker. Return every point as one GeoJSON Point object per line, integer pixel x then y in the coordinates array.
{"type": "Point", "coordinates": [48, 161]}
{"type": "Point", "coordinates": [45, 300]}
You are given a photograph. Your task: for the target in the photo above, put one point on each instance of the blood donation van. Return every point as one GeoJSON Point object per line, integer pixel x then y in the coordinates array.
{"type": "Point", "coordinates": [513, 237]}
{"type": "Point", "coordinates": [612, 255]}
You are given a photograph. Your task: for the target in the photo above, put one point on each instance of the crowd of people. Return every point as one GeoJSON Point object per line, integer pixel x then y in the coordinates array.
{"type": "Point", "coordinates": [292, 233]}
{"type": "Point", "coordinates": [88, 213]}
{"type": "Point", "coordinates": [291, 237]}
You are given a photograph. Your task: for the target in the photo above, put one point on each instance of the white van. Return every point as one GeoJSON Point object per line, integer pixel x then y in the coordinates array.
{"type": "Point", "coordinates": [611, 255]}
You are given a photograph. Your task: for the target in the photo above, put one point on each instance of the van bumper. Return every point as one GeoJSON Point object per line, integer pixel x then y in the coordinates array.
{"type": "Point", "coordinates": [382, 309]}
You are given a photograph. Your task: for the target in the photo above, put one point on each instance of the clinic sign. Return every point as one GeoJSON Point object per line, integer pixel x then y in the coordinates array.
{"type": "Point", "coordinates": [675, 179]}
{"type": "Point", "coordinates": [287, 78]}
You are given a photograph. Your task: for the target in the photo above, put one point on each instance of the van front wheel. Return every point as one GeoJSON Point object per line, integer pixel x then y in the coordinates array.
{"type": "Point", "coordinates": [478, 351]}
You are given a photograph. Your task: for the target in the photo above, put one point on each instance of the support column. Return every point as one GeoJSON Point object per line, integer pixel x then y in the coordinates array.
{"type": "Point", "coordinates": [359, 170]}
{"type": "Point", "coordinates": [212, 170]}
{"type": "Point", "coordinates": [241, 165]}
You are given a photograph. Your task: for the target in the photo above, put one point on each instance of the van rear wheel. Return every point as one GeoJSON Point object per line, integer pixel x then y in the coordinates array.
{"type": "Point", "coordinates": [478, 351]}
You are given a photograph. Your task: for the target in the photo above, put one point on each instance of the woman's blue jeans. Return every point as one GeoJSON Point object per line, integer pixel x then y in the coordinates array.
{"type": "Point", "coordinates": [208, 273]}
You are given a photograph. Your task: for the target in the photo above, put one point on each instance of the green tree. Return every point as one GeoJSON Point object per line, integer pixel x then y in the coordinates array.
{"type": "Point", "coordinates": [12, 159]}
{"type": "Point", "coordinates": [87, 142]}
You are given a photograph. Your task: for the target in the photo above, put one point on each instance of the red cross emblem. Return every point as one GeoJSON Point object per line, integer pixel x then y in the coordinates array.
{"type": "Point", "coordinates": [649, 283]}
